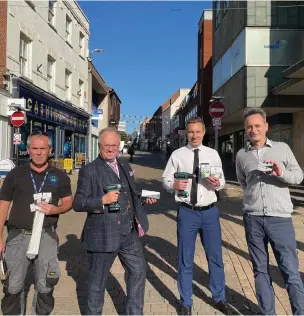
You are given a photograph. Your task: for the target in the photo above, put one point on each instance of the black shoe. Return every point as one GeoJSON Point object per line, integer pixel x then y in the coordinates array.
{"type": "Point", "coordinates": [223, 307]}
{"type": "Point", "coordinates": [185, 310]}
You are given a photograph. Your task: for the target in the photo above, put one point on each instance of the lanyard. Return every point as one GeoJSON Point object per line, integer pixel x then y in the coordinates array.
{"type": "Point", "coordinates": [34, 183]}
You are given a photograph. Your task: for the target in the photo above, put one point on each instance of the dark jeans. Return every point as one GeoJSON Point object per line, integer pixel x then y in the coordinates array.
{"type": "Point", "coordinates": [132, 258]}
{"type": "Point", "coordinates": [279, 231]}
{"type": "Point", "coordinates": [189, 223]}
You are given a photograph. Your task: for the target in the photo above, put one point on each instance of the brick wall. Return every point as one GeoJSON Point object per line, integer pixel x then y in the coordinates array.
{"type": "Point", "coordinates": [3, 37]}
{"type": "Point", "coordinates": [205, 73]}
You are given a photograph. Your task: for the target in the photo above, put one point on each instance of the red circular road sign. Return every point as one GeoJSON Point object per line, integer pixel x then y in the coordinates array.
{"type": "Point", "coordinates": [17, 118]}
{"type": "Point", "coordinates": [217, 109]}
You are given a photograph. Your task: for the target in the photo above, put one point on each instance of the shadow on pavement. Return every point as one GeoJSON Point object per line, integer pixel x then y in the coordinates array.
{"type": "Point", "coordinates": [77, 267]}
{"type": "Point", "coordinates": [169, 253]}
{"type": "Point", "coordinates": [273, 270]}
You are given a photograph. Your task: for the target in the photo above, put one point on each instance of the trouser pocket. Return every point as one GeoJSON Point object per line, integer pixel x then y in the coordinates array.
{"type": "Point", "coordinates": [49, 273]}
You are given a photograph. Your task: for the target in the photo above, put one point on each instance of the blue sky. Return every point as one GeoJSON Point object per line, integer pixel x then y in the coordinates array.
{"type": "Point", "coordinates": [150, 49]}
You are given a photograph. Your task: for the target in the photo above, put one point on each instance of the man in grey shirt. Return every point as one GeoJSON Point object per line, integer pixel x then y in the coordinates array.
{"type": "Point", "coordinates": [267, 211]}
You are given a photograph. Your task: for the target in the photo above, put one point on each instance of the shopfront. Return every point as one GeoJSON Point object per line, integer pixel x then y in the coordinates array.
{"type": "Point", "coordinates": [66, 126]}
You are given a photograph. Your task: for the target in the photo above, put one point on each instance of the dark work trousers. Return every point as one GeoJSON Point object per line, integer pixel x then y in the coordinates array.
{"type": "Point", "coordinates": [189, 223]}
{"type": "Point", "coordinates": [279, 232]}
{"type": "Point", "coordinates": [130, 254]}
{"type": "Point", "coordinates": [46, 269]}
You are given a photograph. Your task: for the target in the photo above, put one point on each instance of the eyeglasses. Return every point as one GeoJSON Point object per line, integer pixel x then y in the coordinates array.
{"type": "Point", "coordinates": [37, 132]}
{"type": "Point", "coordinates": [110, 146]}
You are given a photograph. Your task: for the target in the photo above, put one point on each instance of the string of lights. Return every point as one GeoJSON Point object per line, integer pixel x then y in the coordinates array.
{"type": "Point", "coordinates": [141, 122]}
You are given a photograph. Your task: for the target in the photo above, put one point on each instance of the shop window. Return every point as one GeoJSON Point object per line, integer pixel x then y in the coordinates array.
{"type": "Point", "coordinates": [25, 131]}
{"type": "Point", "coordinates": [50, 129]}
{"type": "Point", "coordinates": [286, 137]}
{"type": "Point", "coordinates": [239, 140]}
{"type": "Point", "coordinates": [67, 148]}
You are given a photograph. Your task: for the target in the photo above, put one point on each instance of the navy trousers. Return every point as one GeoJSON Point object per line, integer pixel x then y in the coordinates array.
{"type": "Point", "coordinates": [279, 232]}
{"type": "Point", "coordinates": [189, 223]}
{"type": "Point", "coordinates": [132, 258]}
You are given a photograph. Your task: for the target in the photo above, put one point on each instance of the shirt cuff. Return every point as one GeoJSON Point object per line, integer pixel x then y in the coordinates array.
{"type": "Point", "coordinates": [282, 175]}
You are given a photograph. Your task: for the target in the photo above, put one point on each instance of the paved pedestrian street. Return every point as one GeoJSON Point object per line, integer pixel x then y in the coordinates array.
{"type": "Point", "coordinates": [161, 254]}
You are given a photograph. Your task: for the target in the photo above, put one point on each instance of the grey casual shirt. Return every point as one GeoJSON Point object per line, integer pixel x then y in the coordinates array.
{"type": "Point", "coordinates": [265, 194]}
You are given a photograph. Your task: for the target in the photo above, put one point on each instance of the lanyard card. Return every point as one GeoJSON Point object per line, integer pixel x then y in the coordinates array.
{"type": "Point", "coordinates": [37, 197]}
{"type": "Point", "coordinates": [47, 197]}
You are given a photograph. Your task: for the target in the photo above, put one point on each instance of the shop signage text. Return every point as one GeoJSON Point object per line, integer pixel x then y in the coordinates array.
{"type": "Point", "coordinates": [38, 107]}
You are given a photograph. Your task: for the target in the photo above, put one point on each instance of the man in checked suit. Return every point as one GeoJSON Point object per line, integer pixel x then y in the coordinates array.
{"type": "Point", "coordinates": [109, 232]}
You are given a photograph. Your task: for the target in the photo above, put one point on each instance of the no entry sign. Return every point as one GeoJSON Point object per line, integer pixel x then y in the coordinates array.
{"type": "Point", "coordinates": [17, 118]}
{"type": "Point", "coordinates": [217, 109]}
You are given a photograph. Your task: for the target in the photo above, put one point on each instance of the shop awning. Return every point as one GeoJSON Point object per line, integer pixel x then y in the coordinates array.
{"type": "Point", "coordinates": [295, 84]}
{"type": "Point", "coordinates": [295, 71]}
{"type": "Point", "coordinates": [290, 87]}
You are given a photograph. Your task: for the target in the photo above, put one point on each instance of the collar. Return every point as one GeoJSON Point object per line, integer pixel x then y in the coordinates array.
{"type": "Point", "coordinates": [49, 168]}
{"type": "Point", "coordinates": [192, 148]}
{"type": "Point", "coordinates": [267, 144]}
{"type": "Point", "coordinates": [107, 161]}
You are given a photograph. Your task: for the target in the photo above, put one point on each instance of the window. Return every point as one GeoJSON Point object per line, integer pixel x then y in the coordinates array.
{"type": "Point", "coordinates": [24, 55]}
{"type": "Point", "coordinates": [51, 16]}
{"type": "Point", "coordinates": [80, 93]}
{"type": "Point", "coordinates": [50, 73]}
{"type": "Point", "coordinates": [217, 13]}
{"type": "Point", "coordinates": [68, 24]}
{"type": "Point", "coordinates": [68, 84]}
{"type": "Point", "coordinates": [81, 44]}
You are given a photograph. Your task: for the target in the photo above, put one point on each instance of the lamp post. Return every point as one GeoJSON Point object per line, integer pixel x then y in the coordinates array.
{"type": "Point", "coordinates": [89, 59]}
{"type": "Point", "coordinates": [96, 50]}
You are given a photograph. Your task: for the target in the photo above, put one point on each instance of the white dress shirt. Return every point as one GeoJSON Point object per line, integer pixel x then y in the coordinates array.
{"type": "Point", "coordinates": [181, 160]}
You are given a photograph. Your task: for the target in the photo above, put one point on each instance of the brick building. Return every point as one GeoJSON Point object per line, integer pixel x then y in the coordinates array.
{"type": "Point", "coordinates": [204, 75]}
{"type": "Point", "coordinates": [196, 102]}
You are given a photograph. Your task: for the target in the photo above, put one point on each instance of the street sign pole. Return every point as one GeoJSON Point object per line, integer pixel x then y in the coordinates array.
{"type": "Point", "coordinates": [216, 111]}
{"type": "Point", "coordinates": [17, 131]}
{"type": "Point", "coordinates": [17, 120]}
{"type": "Point", "coordinates": [216, 135]}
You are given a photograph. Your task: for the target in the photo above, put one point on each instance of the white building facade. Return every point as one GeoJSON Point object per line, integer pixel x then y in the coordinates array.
{"type": "Point", "coordinates": [47, 50]}
{"type": "Point", "coordinates": [168, 123]}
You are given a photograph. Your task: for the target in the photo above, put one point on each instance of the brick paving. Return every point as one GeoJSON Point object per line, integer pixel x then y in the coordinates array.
{"type": "Point", "coordinates": [161, 254]}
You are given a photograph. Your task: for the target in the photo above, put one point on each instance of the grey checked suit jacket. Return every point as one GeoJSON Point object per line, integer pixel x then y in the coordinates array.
{"type": "Point", "coordinates": [101, 232]}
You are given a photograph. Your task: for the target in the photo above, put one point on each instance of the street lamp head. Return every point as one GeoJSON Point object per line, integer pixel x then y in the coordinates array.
{"type": "Point", "coordinates": [98, 50]}
{"type": "Point", "coordinates": [215, 98]}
